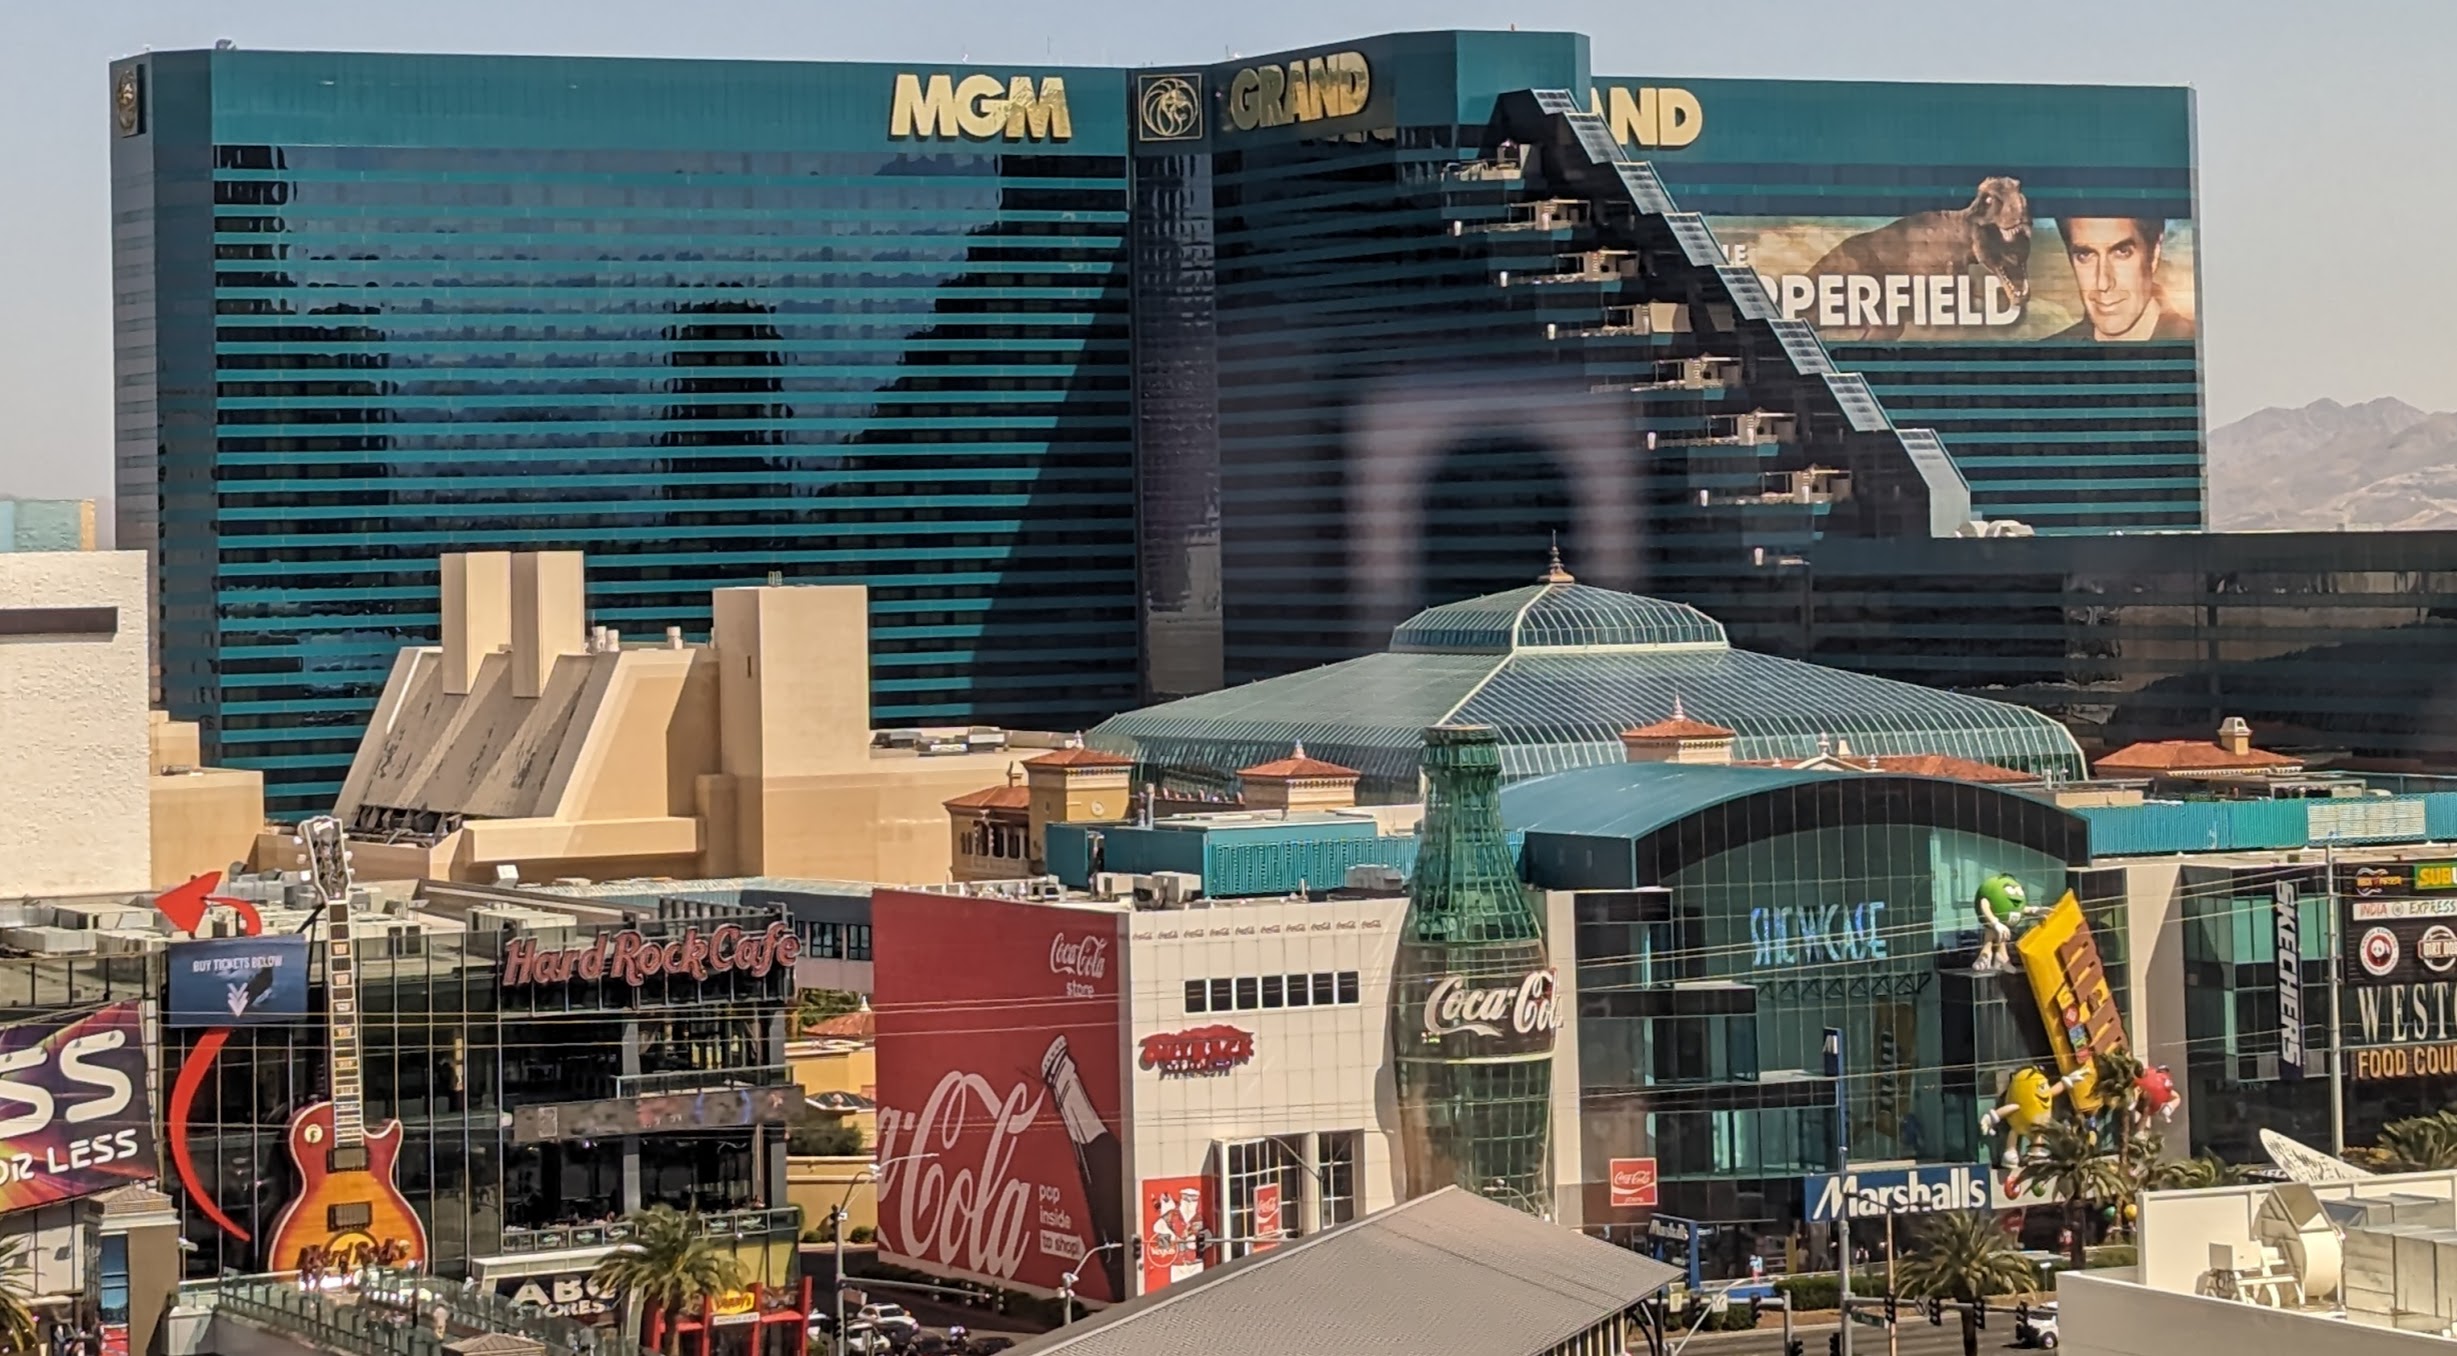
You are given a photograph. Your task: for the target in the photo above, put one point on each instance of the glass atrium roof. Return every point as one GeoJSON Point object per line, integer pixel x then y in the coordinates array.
{"type": "Point", "coordinates": [1560, 670]}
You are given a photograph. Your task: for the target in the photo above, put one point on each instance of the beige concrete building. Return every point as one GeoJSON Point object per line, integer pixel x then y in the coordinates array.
{"type": "Point", "coordinates": [97, 794]}
{"type": "Point", "coordinates": [529, 744]}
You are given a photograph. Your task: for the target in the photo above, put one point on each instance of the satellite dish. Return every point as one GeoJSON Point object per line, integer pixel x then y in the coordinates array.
{"type": "Point", "coordinates": [2303, 1163]}
{"type": "Point", "coordinates": [2292, 1221]}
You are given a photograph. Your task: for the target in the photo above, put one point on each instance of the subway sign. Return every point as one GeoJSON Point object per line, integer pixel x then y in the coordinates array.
{"type": "Point", "coordinates": [979, 108]}
{"type": "Point", "coordinates": [1312, 89]}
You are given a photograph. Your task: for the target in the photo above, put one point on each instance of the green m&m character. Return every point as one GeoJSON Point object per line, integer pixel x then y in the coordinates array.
{"type": "Point", "coordinates": [2000, 903]}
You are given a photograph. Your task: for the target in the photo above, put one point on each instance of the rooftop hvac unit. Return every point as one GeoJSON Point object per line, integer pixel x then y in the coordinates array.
{"type": "Point", "coordinates": [116, 942]}
{"type": "Point", "coordinates": [1168, 889]}
{"type": "Point", "coordinates": [48, 941]}
{"type": "Point", "coordinates": [1113, 885]}
{"type": "Point", "coordinates": [1045, 888]}
{"type": "Point", "coordinates": [1376, 879]}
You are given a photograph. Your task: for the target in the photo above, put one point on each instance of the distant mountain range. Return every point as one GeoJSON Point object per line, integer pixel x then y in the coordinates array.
{"type": "Point", "coordinates": [2382, 464]}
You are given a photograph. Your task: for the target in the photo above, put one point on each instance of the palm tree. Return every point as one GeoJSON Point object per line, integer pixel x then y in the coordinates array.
{"type": "Point", "coordinates": [1964, 1256]}
{"type": "Point", "coordinates": [2419, 1143]}
{"type": "Point", "coordinates": [2117, 1076]}
{"type": "Point", "coordinates": [17, 1330]}
{"type": "Point", "coordinates": [668, 1265]}
{"type": "Point", "coordinates": [2066, 1157]}
{"type": "Point", "coordinates": [2186, 1174]}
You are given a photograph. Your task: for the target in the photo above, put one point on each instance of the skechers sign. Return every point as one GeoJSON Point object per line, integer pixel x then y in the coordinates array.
{"type": "Point", "coordinates": [979, 108]}
{"type": "Point", "coordinates": [1898, 1191]}
{"type": "Point", "coordinates": [1816, 934]}
{"type": "Point", "coordinates": [1309, 90]}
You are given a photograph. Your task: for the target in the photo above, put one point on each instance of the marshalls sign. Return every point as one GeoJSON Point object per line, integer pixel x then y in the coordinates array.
{"type": "Point", "coordinates": [1898, 1191]}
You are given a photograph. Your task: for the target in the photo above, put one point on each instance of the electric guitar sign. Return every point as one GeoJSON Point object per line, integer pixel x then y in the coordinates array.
{"type": "Point", "coordinates": [349, 1211]}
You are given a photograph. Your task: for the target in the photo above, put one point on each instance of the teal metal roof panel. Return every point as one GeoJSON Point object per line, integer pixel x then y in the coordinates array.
{"type": "Point", "coordinates": [1558, 711]}
{"type": "Point", "coordinates": [1367, 713]}
{"type": "Point", "coordinates": [1630, 800]}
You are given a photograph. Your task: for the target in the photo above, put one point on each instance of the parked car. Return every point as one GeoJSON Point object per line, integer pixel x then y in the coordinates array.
{"type": "Point", "coordinates": [866, 1340]}
{"type": "Point", "coordinates": [892, 1319]}
{"type": "Point", "coordinates": [2037, 1328]}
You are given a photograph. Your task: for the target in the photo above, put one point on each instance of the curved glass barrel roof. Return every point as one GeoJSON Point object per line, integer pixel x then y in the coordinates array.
{"type": "Point", "coordinates": [1559, 670]}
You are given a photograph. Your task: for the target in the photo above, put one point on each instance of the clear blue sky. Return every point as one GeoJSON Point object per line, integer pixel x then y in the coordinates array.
{"type": "Point", "coordinates": [2327, 186]}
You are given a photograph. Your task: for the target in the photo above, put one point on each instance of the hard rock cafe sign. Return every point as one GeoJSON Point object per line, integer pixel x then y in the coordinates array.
{"type": "Point", "coordinates": [631, 957]}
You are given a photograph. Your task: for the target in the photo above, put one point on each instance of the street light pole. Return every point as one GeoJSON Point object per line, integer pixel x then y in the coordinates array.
{"type": "Point", "coordinates": [1842, 1164]}
{"type": "Point", "coordinates": [836, 1227]}
{"type": "Point", "coordinates": [1066, 1288]}
{"type": "Point", "coordinates": [2337, 1022]}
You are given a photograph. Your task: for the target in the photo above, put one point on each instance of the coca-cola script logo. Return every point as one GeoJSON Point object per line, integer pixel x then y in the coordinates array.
{"type": "Point", "coordinates": [962, 1212]}
{"type": "Point", "coordinates": [632, 957]}
{"type": "Point", "coordinates": [1203, 1052]}
{"type": "Point", "coordinates": [1531, 1005]}
{"type": "Point", "coordinates": [1085, 957]}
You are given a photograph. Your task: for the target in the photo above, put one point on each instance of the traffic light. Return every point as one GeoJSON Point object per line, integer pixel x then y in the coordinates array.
{"type": "Point", "coordinates": [1979, 1313]}
{"type": "Point", "coordinates": [1834, 1344]}
{"type": "Point", "coordinates": [1936, 1313]}
{"type": "Point", "coordinates": [1794, 1347]}
{"type": "Point", "coordinates": [1891, 1311]}
{"type": "Point", "coordinates": [2021, 1312]}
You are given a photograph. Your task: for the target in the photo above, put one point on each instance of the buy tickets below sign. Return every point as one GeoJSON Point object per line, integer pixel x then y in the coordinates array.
{"type": "Point", "coordinates": [1633, 1184]}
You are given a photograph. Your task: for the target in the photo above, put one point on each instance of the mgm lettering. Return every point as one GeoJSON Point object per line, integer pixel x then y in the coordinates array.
{"type": "Point", "coordinates": [1310, 90]}
{"type": "Point", "coordinates": [980, 108]}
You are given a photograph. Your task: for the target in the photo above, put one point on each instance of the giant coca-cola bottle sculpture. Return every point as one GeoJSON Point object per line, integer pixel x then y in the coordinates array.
{"type": "Point", "coordinates": [1474, 1004]}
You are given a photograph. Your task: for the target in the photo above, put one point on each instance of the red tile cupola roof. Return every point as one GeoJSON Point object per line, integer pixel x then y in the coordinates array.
{"type": "Point", "coordinates": [1676, 726]}
{"type": "Point", "coordinates": [1948, 767]}
{"type": "Point", "coordinates": [1080, 756]}
{"type": "Point", "coordinates": [2231, 753]}
{"type": "Point", "coordinates": [1298, 767]}
{"type": "Point", "coordinates": [1008, 797]}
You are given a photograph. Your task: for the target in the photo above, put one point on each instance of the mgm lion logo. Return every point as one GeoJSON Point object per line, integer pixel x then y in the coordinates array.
{"type": "Point", "coordinates": [1170, 107]}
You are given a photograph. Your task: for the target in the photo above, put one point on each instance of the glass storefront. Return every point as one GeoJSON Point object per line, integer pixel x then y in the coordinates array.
{"type": "Point", "coordinates": [1764, 920]}
{"type": "Point", "coordinates": [458, 1059]}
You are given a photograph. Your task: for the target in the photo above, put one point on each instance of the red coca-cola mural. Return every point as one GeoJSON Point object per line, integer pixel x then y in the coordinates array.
{"type": "Point", "coordinates": [999, 1089]}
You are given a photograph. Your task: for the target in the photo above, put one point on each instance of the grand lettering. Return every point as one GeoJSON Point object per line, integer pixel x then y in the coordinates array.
{"type": "Point", "coordinates": [974, 1217]}
{"type": "Point", "coordinates": [1788, 935]}
{"type": "Point", "coordinates": [631, 956]}
{"type": "Point", "coordinates": [1309, 90]}
{"type": "Point", "coordinates": [1531, 1005]}
{"type": "Point", "coordinates": [2393, 1014]}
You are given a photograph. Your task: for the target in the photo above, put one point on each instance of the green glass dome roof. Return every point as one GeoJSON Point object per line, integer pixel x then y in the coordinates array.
{"type": "Point", "coordinates": [1557, 616]}
{"type": "Point", "coordinates": [1559, 670]}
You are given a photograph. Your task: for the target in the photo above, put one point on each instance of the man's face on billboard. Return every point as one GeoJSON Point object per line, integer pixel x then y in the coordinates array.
{"type": "Point", "coordinates": [2114, 268]}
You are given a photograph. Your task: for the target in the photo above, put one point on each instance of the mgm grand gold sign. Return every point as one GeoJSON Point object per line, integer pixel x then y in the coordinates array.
{"type": "Point", "coordinates": [1309, 90]}
{"type": "Point", "coordinates": [980, 108]}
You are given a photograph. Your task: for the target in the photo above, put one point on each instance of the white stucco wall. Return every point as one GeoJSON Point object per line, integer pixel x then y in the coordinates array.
{"type": "Point", "coordinates": [2103, 1316]}
{"type": "Point", "coordinates": [73, 775]}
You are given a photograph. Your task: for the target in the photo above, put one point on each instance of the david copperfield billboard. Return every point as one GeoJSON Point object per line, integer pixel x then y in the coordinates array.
{"type": "Point", "coordinates": [1939, 213]}
{"type": "Point", "coordinates": [75, 1117]}
{"type": "Point", "coordinates": [1000, 1090]}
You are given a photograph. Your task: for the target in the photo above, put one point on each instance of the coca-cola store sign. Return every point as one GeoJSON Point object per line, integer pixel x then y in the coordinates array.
{"type": "Point", "coordinates": [1080, 961]}
{"type": "Point", "coordinates": [1526, 1007]}
{"type": "Point", "coordinates": [1202, 1052]}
